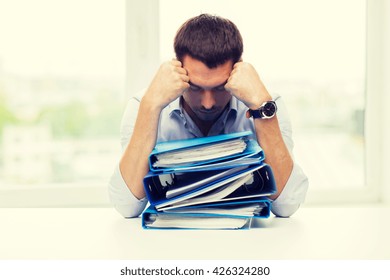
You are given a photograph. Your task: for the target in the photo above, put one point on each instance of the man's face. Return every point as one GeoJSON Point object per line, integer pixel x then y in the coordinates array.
{"type": "Point", "coordinates": [206, 97]}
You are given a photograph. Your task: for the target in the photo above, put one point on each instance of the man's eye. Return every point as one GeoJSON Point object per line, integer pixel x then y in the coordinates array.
{"type": "Point", "coordinates": [194, 88]}
{"type": "Point", "coordinates": [220, 88]}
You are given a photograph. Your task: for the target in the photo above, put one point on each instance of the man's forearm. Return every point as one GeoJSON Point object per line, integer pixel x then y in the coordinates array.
{"type": "Point", "coordinates": [276, 152]}
{"type": "Point", "coordinates": [169, 83]}
{"type": "Point", "coordinates": [134, 163]}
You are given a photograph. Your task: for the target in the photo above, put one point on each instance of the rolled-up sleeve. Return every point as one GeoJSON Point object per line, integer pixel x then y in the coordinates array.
{"type": "Point", "coordinates": [293, 194]}
{"type": "Point", "coordinates": [120, 195]}
{"type": "Point", "coordinates": [122, 198]}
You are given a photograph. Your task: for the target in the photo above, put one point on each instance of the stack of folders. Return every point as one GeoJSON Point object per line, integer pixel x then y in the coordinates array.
{"type": "Point", "coordinates": [217, 182]}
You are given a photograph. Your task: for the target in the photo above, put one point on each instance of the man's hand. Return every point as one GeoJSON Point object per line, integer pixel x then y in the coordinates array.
{"type": "Point", "coordinates": [170, 81]}
{"type": "Point", "coordinates": [244, 83]}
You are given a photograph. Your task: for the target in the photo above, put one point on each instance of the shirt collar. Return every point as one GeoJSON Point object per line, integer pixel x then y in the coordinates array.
{"type": "Point", "coordinates": [175, 106]}
{"type": "Point", "coordinates": [234, 104]}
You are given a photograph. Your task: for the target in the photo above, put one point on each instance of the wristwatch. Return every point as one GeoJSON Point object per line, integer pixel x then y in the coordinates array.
{"type": "Point", "coordinates": [267, 110]}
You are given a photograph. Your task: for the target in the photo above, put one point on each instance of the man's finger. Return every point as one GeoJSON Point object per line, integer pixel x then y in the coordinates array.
{"type": "Point", "coordinates": [185, 78]}
{"type": "Point", "coordinates": [181, 70]}
{"type": "Point", "coordinates": [176, 62]}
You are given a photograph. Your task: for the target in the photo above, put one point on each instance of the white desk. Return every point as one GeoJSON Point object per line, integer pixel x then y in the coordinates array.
{"type": "Point", "coordinates": [100, 233]}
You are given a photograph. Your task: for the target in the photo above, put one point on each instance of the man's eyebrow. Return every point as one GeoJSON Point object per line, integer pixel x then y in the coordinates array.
{"type": "Point", "coordinates": [223, 84]}
{"type": "Point", "coordinates": [220, 85]}
{"type": "Point", "coordinates": [192, 84]}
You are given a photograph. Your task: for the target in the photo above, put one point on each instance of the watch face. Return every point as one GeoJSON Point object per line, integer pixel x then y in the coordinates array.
{"type": "Point", "coordinates": [269, 109]}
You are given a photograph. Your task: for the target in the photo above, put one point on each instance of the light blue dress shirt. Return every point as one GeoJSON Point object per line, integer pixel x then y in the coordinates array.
{"type": "Point", "coordinates": [176, 124]}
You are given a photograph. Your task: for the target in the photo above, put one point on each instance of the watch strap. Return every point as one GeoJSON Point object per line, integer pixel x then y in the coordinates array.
{"type": "Point", "coordinates": [259, 113]}
{"type": "Point", "coordinates": [255, 114]}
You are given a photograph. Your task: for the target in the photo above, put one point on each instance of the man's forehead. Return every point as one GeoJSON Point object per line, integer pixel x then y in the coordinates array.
{"type": "Point", "coordinates": [209, 85]}
{"type": "Point", "coordinates": [202, 76]}
{"type": "Point", "coordinates": [197, 66]}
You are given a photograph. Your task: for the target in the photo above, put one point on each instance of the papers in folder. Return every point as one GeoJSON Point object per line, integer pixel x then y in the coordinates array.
{"type": "Point", "coordinates": [242, 182]}
{"type": "Point", "coordinates": [206, 153]}
{"type": "Point", "coordinates": [202, 153]}
{"type": "Point", "coordinates": [205, 217]}
{"type": "Point", "coordinates": [194, 183]}
{"type": "Point", "coordinates": [193, 222]}
{"type": "Point", "coordinates": [215, 195]}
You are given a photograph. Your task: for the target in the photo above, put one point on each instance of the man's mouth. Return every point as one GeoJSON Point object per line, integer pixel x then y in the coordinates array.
{"type": "Point", "coordinates": [208, 112]}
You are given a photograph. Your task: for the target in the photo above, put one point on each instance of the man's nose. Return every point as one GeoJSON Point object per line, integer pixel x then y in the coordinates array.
{"type": "Point", "coordinates": [208, 100]}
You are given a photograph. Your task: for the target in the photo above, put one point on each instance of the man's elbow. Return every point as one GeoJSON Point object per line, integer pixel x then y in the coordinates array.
{"type": "Point", "coordinates": [284, 210]}
{"type": "Point", "coordinates": [293, 194]}
{"type": "Point", "coordinates": [127, 212]}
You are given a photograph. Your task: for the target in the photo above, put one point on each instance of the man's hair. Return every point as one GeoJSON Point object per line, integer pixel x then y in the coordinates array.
{"type": "Point", "coordinates": [211, 39]}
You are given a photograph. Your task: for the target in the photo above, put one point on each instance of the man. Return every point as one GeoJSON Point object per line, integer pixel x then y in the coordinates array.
{"type": "Point", "coordinates": [208, 90]}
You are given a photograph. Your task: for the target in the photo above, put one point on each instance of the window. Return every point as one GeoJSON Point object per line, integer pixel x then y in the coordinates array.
{"type": "Point", "coordinates": [62, 79]}
{"type": "Point", "coordinates": [313, 53]}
